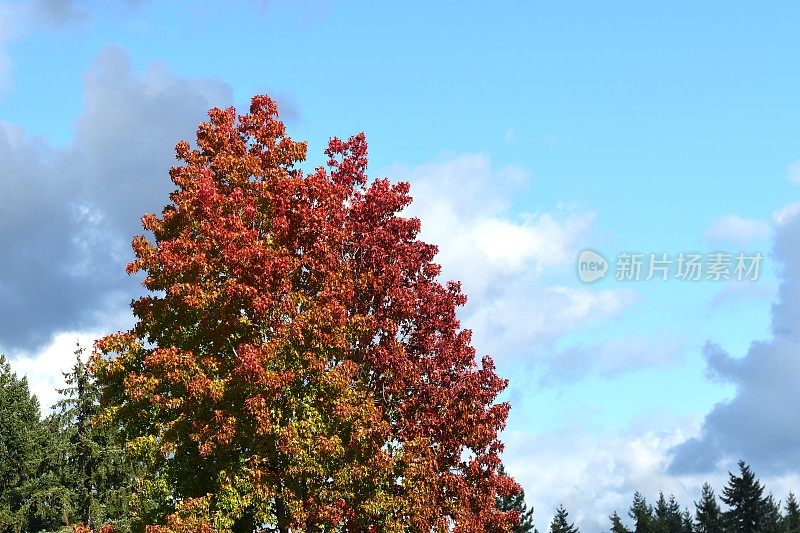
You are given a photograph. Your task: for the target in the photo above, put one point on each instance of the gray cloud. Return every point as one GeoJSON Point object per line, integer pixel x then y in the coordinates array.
{"type": "Point", "coordinates": [761, 423]}
{"type": "Point", "coordinates": [68, 215]}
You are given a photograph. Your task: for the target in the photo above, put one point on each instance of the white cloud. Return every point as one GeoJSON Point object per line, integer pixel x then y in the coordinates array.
{"type": "Point", "coordinates": [734, 229]}
{"type": "Point", "coordinates": [516, 269]}
{"type": "Point", "coordinates": [786, 214]}
{"type": "Point", "coordinates": [44, 368]}
{"type": "Point", "coordinates": [523, 317]}
{"type": "Point", "coordinates": [463, 205]}
{"type": "Point", "coordinates": [596, 474]}
{"type": "Point", "coordinates": [793, 172]}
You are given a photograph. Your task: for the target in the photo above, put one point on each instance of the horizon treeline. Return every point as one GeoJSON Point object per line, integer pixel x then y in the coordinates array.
{"type": "Point", "coordinates": [747, 509]}
{"type": "Point", "coordinates": [68, 471]}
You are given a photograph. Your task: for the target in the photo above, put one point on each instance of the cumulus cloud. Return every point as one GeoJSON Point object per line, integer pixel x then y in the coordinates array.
{"type": "Point", "coordinates": [45, 368]}
{"type": "Point", "coordinates": [463, 205]}
{"type": "Point", "coordinates": [65, 233]}
{"type": "Point", "coordinates": [759, 424]}
{"type": "Point", "coordinates": [736, 230]}
{"type": "Point", "coordinates": [594, 474]}
{"type": "Point", "coordinates": [516, 269]}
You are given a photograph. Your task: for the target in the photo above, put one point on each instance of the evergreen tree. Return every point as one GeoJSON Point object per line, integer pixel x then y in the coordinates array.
{"type": "Point", "coordinates": [98, 476]}
{"type": "Point", "coordinates": [48, 496]}
{"type": "Point", "coordinates": [616, 524]}
{"type": "Point", "coordinates": [560, 523]}
{"type": "Point", "coordinates": [772, 516]}
{"type": "Point", "coordinates": [516, 502]}
{"type": "Point", "coordinates": [642, 514]}
{"type": "Point", "coordinates": [667, 515]}
{"type": "Point", "coordinates": [687, 526]}
{"type": "Point", "coordinates": [744, 495]}
{"type": "Point", "coordinates": [21, 439]}
{"type": "Point", "coordinates": [791, 520]}
{"type": "Point", "coordinates": [708, 514]}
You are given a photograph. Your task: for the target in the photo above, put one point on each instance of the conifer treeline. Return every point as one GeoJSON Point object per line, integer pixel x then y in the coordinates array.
{"type": "Point", "coordinates": [64, 469]}
{"type": "Point", "coordinates": [745, 509]}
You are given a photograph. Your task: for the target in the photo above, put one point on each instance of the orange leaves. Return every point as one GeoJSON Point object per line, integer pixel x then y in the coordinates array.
{"type": "Point", "coordinates": [299, 341]}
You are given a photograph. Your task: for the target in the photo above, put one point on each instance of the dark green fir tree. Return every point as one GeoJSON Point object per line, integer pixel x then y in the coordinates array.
{"type": "Point", "coordinates": [561, 523]}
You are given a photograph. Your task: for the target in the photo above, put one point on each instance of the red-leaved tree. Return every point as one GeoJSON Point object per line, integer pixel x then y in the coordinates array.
{"type": "Point", "coordinates": [298, 366]}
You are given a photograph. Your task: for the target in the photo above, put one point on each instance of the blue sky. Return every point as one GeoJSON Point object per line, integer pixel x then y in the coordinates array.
{"type": "Point", "coordinates": [529, 131]}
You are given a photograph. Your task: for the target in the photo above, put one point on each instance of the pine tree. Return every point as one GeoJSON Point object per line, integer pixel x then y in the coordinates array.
{"type": "Point", "coordinates": [642, 514]}
{"type": "Point", "coordinates": [687, 526]}
{"type": "Point", "coordinates": [744, 495]}
{"type": "Point", "coordinates": [516, 502]}
{"type": "Point", "coordinates": [667, 515]}
{"type": "Point", "coordinates": [708, 514]}
{"type": "Point", "coordinates": [772, 516]}
{"type": "Point", "coordinates": [616, 524]}
{"type": "Point", "coordinates": [560, 523]}
{"type": "Point", "coordinates": [48, 496]}
{"type": "Point", "coordinates": [21, 444]}
{"type": "Point", "coordinates": [791, 520]}
{"type": "Point", "coordinates": [98, 477]}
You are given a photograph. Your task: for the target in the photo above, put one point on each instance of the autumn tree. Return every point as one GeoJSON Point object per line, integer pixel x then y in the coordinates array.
{"type": "Point", "coordinates": [298, 364]}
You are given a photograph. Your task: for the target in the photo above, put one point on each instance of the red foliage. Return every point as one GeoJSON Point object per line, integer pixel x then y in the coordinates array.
{"type": "Point", "coordinates": [299, 342]}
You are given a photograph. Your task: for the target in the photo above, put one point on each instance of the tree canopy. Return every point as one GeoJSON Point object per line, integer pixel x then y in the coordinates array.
{"type": "Point", "coordinates": [298, 364]}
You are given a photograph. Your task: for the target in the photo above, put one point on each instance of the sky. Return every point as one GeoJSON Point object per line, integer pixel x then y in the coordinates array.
{"type": "Point", "coordinates": [530, 132]}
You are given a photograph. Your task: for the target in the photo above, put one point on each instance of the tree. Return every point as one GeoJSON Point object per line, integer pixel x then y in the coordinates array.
{"type": "Point", "coordinates": [560, 523]}
{"type": "Point", "coordinates": [642, 514]}
{"type": "Point", "coordinates": [791, 520]}
{"type": "Point", "coordinates": [773, 521]}
{"type": "Point", "coordinates": [516, 503]}
{"type": "Point", "coordinates": [616, 524]}
{"type": "Point", "coordinates": [298, 364]}
{"type": "Point", "coordinates": [21, 443]}
{"type": "Point", "coordinates": [708, 514]}
{"type": "Point", "coordinates": [687, 526]}
{"type": "Point", "coordinates": [744, 495]}
{"type": "Point", "coordinates": [667, 515]}
{"type": "Point", "coordinates": [97, 475]}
